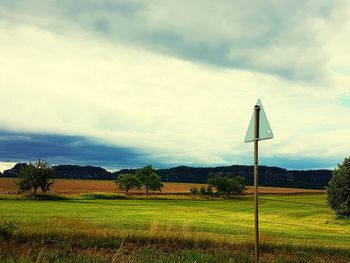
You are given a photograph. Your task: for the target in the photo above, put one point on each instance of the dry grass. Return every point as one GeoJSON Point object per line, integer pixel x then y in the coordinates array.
{"type": "Point", "coordinates": [75, 186]}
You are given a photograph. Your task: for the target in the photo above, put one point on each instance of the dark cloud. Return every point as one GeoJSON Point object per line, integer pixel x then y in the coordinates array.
{"type": "Point", "coordinates": [61, 149]}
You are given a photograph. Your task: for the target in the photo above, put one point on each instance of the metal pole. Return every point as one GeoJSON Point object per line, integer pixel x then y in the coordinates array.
{"type": "Point", "coordinates": [256, 182]}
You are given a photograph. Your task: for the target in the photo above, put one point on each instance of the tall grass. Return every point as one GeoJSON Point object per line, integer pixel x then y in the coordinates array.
{"type": "Point", "coordinates": [98, 245]}
{"type": "Point", "coordinates": [162, 242]}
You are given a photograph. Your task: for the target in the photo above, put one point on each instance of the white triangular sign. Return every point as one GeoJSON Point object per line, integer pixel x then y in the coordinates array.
{"type": "Point", "coordinates": [265, 131]}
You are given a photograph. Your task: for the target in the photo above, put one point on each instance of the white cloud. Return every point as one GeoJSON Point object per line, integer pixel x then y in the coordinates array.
{"type": "Point", "coordinates": [178, 111]}
{"type": "Point", "coordinates": [281, 38]}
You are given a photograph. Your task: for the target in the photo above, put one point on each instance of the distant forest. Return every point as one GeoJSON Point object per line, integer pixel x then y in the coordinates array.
{"type": "Point", "coordinates": [268, 176]}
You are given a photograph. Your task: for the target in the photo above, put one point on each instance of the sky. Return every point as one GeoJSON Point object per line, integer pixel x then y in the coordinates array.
{"type": "Point", "coordinates": [127, 83]}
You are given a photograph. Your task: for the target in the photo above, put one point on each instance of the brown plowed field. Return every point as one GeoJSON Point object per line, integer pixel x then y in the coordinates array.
{"type": "Point", "coordinates": [75, 186]}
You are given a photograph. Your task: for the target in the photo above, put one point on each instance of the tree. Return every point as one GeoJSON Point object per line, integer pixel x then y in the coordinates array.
{"type": "Point", "coordinates": [228, 186]}
{"type": "Point", "coordinates": [338, 190]}
{"type": "Point", "coordinates": [149, 179]}
{"type": "Point", "coordinates": [36, 175]}
{"type": "Point", "coordinates": [126, 182]}
{"type": "Point", "coordinates": [219, 183]}
{"type": "Point", "coordinates": [238, 185]}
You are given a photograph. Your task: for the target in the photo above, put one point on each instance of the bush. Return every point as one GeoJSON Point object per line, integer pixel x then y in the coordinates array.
{"type": "Point", "coordinates": [202, 190]}
{"type": "Point", "coordinates": [194, 191]}
{"type": "Point", "coordinates": [209, 191]}
{"type": "Point", "coordinates": [6, 229]}
{"type": "Point", "coordinates": [338, 190]}
{"type": "Point", "coordinates": [105, 196]}
{"type": "Point", "coordinates": [49, 197]}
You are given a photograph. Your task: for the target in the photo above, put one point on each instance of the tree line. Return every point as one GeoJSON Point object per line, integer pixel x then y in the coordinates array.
{"type": "Point", "coordinates": [268, 176]}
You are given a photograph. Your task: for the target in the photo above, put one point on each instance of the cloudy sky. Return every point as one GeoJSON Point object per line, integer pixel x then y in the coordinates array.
{"type": "Point", "coordinates": [127, 83]}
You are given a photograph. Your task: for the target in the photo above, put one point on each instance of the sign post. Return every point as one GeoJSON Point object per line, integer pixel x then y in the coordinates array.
{"type": "Point", "coordinates": [259, 129]}
{"type": "Point", "coordinates": [256, 181]}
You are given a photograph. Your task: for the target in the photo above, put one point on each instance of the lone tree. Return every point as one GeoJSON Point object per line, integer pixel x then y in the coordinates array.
{"type": "Point", "coordinates": [127, 182]}
{"type": "Point", "coordinates": [149, 179]}
{"type": "Point", "coordinates": [228, 186]}
{"type": "Point", "coordinates": [338, 190]}
{"type": "Point", "coordinates": [36, 175]}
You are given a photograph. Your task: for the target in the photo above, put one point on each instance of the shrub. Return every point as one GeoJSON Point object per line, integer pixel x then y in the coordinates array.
{"type": "Point", "coordinates": [194, 191]}
{"type": "Point", "coordinates": [338, 190]}
{"type": "Point", "coordinates": [49, 197]}
{"type": "Point", "coordinates": [6, 229]}
{"type": "Point", "coordinates": [93, 196]}
{"type": "Point", "coordinates": [210, 191]}
{"type": "Point", "coordinates": [202, 190]}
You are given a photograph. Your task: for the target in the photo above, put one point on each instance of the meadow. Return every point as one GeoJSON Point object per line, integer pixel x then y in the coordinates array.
{"type": "Point", "coordinates": [294, 228]}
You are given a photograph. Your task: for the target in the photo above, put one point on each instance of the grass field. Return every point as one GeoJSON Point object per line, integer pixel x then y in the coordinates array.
{"type": "Point", "coordinates": [294, 228]}
{"type": "Point", "coordinates": [74, 186]}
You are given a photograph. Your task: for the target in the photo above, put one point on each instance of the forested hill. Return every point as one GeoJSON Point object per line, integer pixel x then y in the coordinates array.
{"type": "Point", "coordinates": [68, 172]}
{"type": "Point", "coordinates": [268, 176]}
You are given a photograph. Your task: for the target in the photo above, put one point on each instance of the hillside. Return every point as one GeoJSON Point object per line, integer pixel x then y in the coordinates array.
{"type": "Point", "coordinates": [268, 176]}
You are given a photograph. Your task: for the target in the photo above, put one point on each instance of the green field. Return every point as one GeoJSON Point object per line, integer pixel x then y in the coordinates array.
{"type": "Point", "coordinates": [294, 228]}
